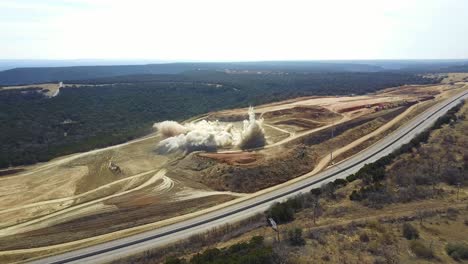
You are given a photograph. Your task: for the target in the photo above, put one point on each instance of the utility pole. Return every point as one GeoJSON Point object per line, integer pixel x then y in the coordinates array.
{"type": "Point", "coordinates": [458, 190]}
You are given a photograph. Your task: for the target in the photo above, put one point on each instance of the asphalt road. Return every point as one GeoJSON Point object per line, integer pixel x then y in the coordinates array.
{"type": "Point", "coordinates": [125, 246]}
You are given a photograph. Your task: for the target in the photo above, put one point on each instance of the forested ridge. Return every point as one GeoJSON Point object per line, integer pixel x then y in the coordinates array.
{"type": "Point", "coordinates": [54, 74]}
{"type": "Point", "coordinates": [35, 128]}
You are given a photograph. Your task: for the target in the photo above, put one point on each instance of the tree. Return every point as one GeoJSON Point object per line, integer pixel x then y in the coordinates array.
{"type": "Point", "coordinates": [281, 213]}
{"type": "Point", "coordinates": [421, 250]}
{"type": "Point", "coordinates": [316, 207]}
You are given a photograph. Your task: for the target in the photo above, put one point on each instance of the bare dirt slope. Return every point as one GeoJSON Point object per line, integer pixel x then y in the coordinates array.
{"type": "Point", "coordinates": [49, 89]}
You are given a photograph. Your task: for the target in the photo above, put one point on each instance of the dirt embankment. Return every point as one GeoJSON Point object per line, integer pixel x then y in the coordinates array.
{"type": "Point", "coordinates": [316, 113]}
{"type": "Point", "coordinates": [266, 170]}
{"type": "Point", "coordinates": [301, 118]}
{"type": "Point", "coordinates": [243, 158]}
{"type": "Point", "coordinates": [252, 171]}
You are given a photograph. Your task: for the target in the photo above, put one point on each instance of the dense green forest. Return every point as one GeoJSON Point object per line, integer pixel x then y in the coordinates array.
{"type": "Point", "coordinates": [35, 128]}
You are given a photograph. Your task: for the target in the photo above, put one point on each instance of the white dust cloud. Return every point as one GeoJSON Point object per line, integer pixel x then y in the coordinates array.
{"type": "Point", "coordinates": [209, 136]}
{"type": "Point", "coordinates": [253, 135]}
{"type": "Point", "coordinates": [170, 128]}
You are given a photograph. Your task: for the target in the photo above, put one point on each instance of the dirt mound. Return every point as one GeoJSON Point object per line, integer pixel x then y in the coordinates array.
{"type": "Point", "coordinates": [268, 170]}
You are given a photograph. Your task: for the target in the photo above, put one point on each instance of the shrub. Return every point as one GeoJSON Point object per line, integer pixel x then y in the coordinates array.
{"type": "Point", "coordinates": [363, 237]}
{"type": "Point", "coordinates": [328, 190]}
{"type": "Point", "coordinates": [452, 213]}
{"type": "Point", "coordinates": [364, 192]}
{"type": "Point", "coordinates": [295, 237]}
{"type": "Point", "coordinates": [318, 236]}
{"type": "Point", "coordinates": [340, 182]}
{"type": "Point", "coordinates": [457, 251]}
{"type": "Point", "coordinates": [376, 225]}
{"type": "Point", "coordinates": [355, 196]}
{"type": "Point", "coordinates": [316, 191]}
{"type": "Point", "coordinates": [374, 247]}
{"type": "Point", "coordinates": [281, 212]}
{"type": "Point", "coordinates": [296, 203]}
{"type": "Point", "coordinates": [387, 238]}
{"type": "Point", "coordinates": [410, 232]}
{"type": "Point", "coordinates": [421, 250]}
{"type": "Point", "coordinates": [253, 252]}
{"type": "Point", "coordinates": [351, 178]}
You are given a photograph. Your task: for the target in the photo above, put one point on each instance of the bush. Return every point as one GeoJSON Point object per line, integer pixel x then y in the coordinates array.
{"type": "Point", "coordinates": [421, 250]}
{"type": "Point", "coordinates": [364, 192]}
{"type": "Point", "coordinates": [351, 178]}
{"type": "Point", "coordinates": [318, 236]}
{"type": "Point", "coordinates": [253, 252]}
{"type": "Point", "coordinates": [316, 191]}
{"type": "Point", "coordinates": [295, 237]}
{"type": "Point", "coordinates": [363, 237]}
{"type": "Point", "coordinates": [452, 213]}
{"type": "Point", "coordinates": [281, 213]}
{"type": "Point", "coordinates": [340, 182]}
{"type": "Point", "coordinates": [410, 232]}
{"type": "Point", "coordinates": [457, 251]}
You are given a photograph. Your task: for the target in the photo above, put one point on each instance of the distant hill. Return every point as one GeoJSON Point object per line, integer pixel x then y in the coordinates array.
{"type": "Point", "coordinates": [458, 68]}
{"type": "Point", "coordinates": [7, 64]}
{"type": "Point", "coordinates": [31, 75]}
{"type": "Point", "coordinates": [53, 74]}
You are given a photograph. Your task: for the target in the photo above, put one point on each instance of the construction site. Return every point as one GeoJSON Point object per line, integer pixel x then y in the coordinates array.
{"type": "Point", "coordinates": [195, 166]}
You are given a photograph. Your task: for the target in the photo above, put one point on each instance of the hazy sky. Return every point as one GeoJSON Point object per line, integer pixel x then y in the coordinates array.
{"type": "Point", "coordinates": [233, 29]}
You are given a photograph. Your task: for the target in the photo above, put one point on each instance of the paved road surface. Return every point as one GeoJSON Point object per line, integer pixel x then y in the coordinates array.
{"type": "Point", "coordinates": [162, 236]}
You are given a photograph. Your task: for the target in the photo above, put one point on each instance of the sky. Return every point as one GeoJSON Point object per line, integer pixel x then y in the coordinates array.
{"type": "Point", "coordinates": [233, 30]}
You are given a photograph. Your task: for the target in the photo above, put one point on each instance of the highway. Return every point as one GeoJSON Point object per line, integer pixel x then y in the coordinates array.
{"type": "Point", "coordinates": [122, 247]}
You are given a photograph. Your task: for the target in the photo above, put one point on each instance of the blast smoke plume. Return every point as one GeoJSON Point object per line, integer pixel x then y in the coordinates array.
{"type": "Point", "coordinates": [253, 135]}
{"type": "Point", "coordinates": [209, 136]}
{"type": "Point", "coordinates": [170, 128]}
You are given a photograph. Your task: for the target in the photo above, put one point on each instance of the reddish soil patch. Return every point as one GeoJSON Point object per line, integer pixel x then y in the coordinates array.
{"type": "Point", "coordinates": [243, 158]}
